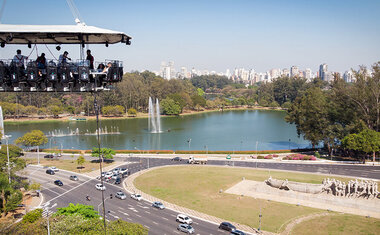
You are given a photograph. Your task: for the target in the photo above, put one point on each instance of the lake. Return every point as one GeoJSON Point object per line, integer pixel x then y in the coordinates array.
{"type": "Point", "coordinates": [228, 130]}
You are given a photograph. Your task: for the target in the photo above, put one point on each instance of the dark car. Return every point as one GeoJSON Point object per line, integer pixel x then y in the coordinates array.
{"type": "Point", "coordinates": [58, 182]}
{"type": "Point", "coordinates": [49, 156]}
{"type": "Point", "coordinates": [177, 159]}
{"type": "Point", "coordinates": [50, 172]}
{"type": "Point", "coordinates": [227, 226]}
{"type": "Point", "coordinates": [237, 232]}
{"type": "Point", "coordinates": [117, 181]}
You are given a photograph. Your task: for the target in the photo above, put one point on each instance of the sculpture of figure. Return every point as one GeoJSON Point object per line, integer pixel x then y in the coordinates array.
{"type": "Point", "coordinates": [375, 191]}
{"type": "Point", "coordinates": [348, 189]}
{"type": "Point", "coordinates": [344, 189]}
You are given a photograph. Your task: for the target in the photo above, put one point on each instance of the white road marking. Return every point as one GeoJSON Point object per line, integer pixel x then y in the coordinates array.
{"type": "Point", "coordinates": [51, 191]}
{"type": "Point", "coordinates": [132, 209]}
{"type": "Point", "coordinates": [155, 223]}
{"type": "Point", "coordinates": [138, 215]}
{"type": "Point", "coordinates": [165, 218]}
{"type": "Point", "coordinates": [147, 212]}
{"type": "Point", "coordinates": [124, 213]}
{"type": "Point", "coordinates": [70, 190]}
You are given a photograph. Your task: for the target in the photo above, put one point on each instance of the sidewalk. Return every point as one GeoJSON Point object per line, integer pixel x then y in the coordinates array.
{"type": "Point", "coordinates": [129, 187]}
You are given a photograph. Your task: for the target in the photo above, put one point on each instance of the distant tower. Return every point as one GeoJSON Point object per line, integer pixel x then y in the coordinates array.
{"type": "Point", "coordinates": [294, 71]}
{"type": "Point", "coordinates": [323, 72]}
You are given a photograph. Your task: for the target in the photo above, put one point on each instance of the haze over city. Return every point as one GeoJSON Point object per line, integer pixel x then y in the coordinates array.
{"type": "Point", "coordinates": [219, 35]}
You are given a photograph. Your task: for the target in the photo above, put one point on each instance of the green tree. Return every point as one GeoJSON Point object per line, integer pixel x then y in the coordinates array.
{"type": "Point", "coordinates": [116, 110]}
{"type": "Point", "coordinates": [170, 107]}
{"type": "Point", "coordinates": [55, 110]}
{"type": "Point", "coordinates": [132, 112]}
{"type": "Point", "coordinates": [106, 153]}
{"type": "Point", "coordinates": [86, 211]}
{"type": "Point", "coordinates": [198, 101]}
{"type": "Point", "coordinates": [81, 161]}
{"type": "Point", "coordinates": [200, 92]}
{"type": "Point", "coordinates": [367, 141]}
{"type": "Point", "coordinates": [34, 138]}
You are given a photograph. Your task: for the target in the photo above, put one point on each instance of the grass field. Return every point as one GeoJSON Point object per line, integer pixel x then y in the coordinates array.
{"type": "Point", "coordinates": [69, 165]}
{"type": "Point", "coordinates": [198, 188]}
{"type": "Point", "coordinates": [339, 224]}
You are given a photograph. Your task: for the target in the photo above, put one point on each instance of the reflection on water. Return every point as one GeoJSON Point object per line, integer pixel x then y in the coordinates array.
{"type": "Point", "coordinates": [229, 130]}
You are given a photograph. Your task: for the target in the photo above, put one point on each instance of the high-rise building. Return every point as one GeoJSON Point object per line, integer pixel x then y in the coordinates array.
{"type": "Point", "coordinates": [323, 72]}
{"type": "Point", "coordinates": [294, 71]}
{"type": "Point", "coordinates": [286, 72]}
{"type": "Point", "coordinates": [307, 74]}
{"type": "Point", "coordinates": [348, 76]}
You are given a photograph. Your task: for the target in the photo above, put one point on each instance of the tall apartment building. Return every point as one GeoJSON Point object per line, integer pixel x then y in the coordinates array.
{"type": "Point", "coordinates": [323, 72]}
{"type": "Point", "coordinates": [294, 71]}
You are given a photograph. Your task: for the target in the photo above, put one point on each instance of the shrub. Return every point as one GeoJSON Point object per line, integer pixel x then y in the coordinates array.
{"type": "Point", "coordinates": [32, 216]}
{"type": "Point", "coordinates": [260, 157]}
{"type": "Point", "coordinates": [317, 155]}
{"type": "Point", "coordinates": [268, 157]}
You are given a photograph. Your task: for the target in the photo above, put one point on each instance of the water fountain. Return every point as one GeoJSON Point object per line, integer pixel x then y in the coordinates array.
{"type": "Point", "coordinates": [1, 122]}
{"type": "Point", "coordinates": [154, 118]}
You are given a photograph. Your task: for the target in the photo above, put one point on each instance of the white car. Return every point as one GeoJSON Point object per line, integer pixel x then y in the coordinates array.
{"type": "Point", "coordinates": [100, 187]}
{"type": "Point", "coordinates": [116, 171]}
{"type": "Point", "coordinates": [53, 168]}
{"type": "Point", "coordinates": [137, 197]}
{"type": "Point", "coordinates": [108, 175]}
{"type": "Point", "coordinates": [115, 176]}
{"type": "Point", "coordinates": [120, 195]}
{"type": "Point", "coordinates": [123, 170]}
{"type": "Point", "coordinates": [184, 219]}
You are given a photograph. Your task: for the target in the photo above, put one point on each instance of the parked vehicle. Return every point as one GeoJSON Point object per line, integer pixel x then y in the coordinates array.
{"type": "Point", "coordinates": [184, 219]}
{"type": "Point", "coordinates": [177, 159]}
{"type": "Point", "coordinates": [74, 178]}
{"type": "Point", "coordinates": [158, 205]}
{"type": "Point", "coordinates": [50, 172]}
{"type": "Point", "coordinates": [108, 174]}
{"type": "Point", "coordinates": [120, 195]}
{"type": "Point", "coordinates": [58, 182]}
{"type": "Point", "coordinates": [118, 181]}
{"type": "Point", "coordinates": [115, 176]}
{"type": "Point", "coordinates": [185, 228]}
{"type": "Point", "coordinates": [227, 226]}
{"type": "Point", "coordinates": [237, 232]}
{"type": "Point", "coordinates": [197, 160]}
{"type": "Point", "coordinates": [100, 187]}
{"type": "Point", "coordinates": [137, 197]}
{"type": "Point", "coordinates": [55, 169]}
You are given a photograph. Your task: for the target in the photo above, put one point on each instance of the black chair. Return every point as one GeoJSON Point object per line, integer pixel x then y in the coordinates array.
{"type": "Point", "coordinates": [17, 75]}
{"type": "Point", "coordinates": [84, 74]}
{"type": "Point", "coordinates": [52, 76]}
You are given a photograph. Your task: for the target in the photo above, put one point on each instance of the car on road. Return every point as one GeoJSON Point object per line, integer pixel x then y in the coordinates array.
{"type": "Point", "coordinates": [158, 205]}
{"type": "Point", "coordinates": [121, 195]}
{"type": "Point", "coordinates": [49, 156]}
{"type": "Point", "coordinates": [50, 172]}
{"type": "Point", "coordinates": [237, 232]}
{"type": "Point", "coordinates": [136, 196]}
{"type": "Point", "coordinates": [116, 171]}
{"type": "Point", "coordinates": [184, 219]}
{"type": "Point", "coordinates": [177, 159]}
{"type": "Point", "coordinates": [185, 228]}
{"type": "Point", "coordinates": [108, 174]}
{"type": "Point", "coordinates": [74, 177]}
{"type": "Point", "coordinates": [55, 169]}
{"type": "Point", "coordinates": [123, 170]}
{"type": "Point", "coordinates": [100, 187]}
{"type": "Point", "coordinates": [58, 182]}
{"type": "Point", "coordinates": [118, 181]}
{"type": "Point", "coordinates": [227, 226]}
{"type": "Point", "coordinates": [115, 176]}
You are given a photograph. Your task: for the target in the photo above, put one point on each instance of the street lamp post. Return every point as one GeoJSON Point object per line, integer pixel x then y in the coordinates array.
{"type": "Point", "coordinates": [189, 141]}
{"type": "Point", "coordinates": [206, 147]}
{"type": "Point", "coordinates": [6, 137]}
{"type": "Point", "coordinates": [46, 206]}
{"type": "Point", "coordinates": [256, 152]}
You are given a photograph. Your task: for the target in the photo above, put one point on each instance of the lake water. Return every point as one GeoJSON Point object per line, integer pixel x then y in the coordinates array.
{"type": "Point", "coordinates": [229, 130]}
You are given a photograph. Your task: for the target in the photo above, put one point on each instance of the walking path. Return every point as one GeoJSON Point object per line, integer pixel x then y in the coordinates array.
{"type": "Point", "coordinates": [291, 225]}
{"type": "Point", "coordinates": [129, 187]}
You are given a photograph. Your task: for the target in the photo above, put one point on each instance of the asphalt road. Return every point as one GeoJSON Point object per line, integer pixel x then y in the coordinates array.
{"type": "Point", "coordinates": [161, 221]}
{"type": "Point", "coordinates": [157, 221]}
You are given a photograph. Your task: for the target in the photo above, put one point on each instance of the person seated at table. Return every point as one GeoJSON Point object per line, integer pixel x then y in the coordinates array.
{"type": "Point", "coordinates": [109, 65]}
{"type": "Point", "coordinates": [63, 58]}
{"type": "Point", "coordinates": [90, 58]}
{"type": "Point", "coordinates": [19, 59]}
{"type": "Point", "coordinates": [41, 61]}
{"type": "Point", "coordinates": [100, 67]}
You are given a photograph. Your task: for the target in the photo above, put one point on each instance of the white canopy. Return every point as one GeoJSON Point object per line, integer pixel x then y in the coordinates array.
{"type": "Point", "coordinates": [59, 34]}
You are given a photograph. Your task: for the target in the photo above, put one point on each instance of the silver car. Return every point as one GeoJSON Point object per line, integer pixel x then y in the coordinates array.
{"type": "Point", "coordinates": [120, 195]}
{"type": "Point", "coordinates": [158, 205]}
{"type": "Point", "coordinates": [74, 178]}
{"type": "Point", "coordinates": [185, 228]}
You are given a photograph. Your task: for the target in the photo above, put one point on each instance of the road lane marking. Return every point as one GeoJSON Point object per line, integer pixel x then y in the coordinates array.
{"type": "Point", "coordinates": [70, 190]}
{"type": "Point", "coordinates": [138, 215]}
{"type": "Point", "coordinates": [147, 212]}
{"type": "Point", "coordinates": [165, 218]}
{"type": "Point", "coordinates": [155, 223]}
{"type": "Point", "coordinates": [50, 190]}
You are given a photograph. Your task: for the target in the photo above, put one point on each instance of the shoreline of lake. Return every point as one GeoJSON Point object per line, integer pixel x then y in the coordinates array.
{"type": "Point", "coordinates": [140, 115]}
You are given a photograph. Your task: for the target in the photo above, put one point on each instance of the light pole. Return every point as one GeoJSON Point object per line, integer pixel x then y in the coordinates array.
{"type": "Point", "coordinates": [289, 143]}
{"type": "Point", "coordinates": [260, 215]}
{"type": "Point", "coordinates": [256, 152]}
{"type": "Point", "coordinates": [6, 137]}
{"type": "Point", "coordinates": [206, 147]}
{"type": "Point", "coordinates": [46, 206]}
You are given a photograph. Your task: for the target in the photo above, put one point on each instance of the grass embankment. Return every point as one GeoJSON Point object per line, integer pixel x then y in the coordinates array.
{"type": "Point", "coordinates": [338, 224]}
{"type": "Point", "coordinates": [69, 165]}
{"type": "Point", "coordinates": [198, 188]}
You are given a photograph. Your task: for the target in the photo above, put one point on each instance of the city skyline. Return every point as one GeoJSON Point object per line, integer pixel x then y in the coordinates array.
{"type": "Point", "coordinates": [220, 34]}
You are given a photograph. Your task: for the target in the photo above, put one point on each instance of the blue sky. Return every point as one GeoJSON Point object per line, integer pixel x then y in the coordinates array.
{"type": "Point", "coordinates": [219, 34]}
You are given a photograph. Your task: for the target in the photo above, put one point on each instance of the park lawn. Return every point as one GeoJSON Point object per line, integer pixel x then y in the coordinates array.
{"type": "Point", "coordinates": [197, 188]}
{"type": "Point", "coordinates": [338, 224]}
{"type": "Point", "coordinates": [69, 165]}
